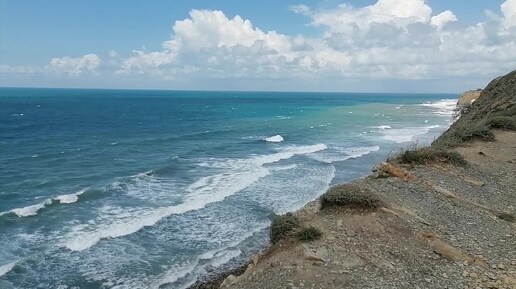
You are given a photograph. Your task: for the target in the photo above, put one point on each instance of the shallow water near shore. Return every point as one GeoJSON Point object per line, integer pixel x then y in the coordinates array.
{"type": "Point", "coordinates": [151, 189]}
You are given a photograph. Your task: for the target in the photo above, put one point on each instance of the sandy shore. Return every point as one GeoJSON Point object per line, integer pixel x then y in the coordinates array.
{"type": "Point", "coordinates": [440, 228]}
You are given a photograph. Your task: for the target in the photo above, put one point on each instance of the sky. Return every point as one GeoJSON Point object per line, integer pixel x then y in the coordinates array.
{"type": "Point", "coordinates": [290, 45]}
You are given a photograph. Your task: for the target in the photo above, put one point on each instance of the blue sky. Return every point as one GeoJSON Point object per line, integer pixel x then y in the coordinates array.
{"type": "Point", "coordinates": [348, 45]}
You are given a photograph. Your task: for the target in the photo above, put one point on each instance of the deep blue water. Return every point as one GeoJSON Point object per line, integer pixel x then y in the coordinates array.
{"type": "Point", "coordinates": [142, 189]}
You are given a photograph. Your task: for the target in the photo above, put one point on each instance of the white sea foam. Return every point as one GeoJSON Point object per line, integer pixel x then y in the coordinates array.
{"type": "Point", "coordinates": [276, 138]}
{"type": "Point", "coordinates": [283, 168]}
{"type": "Point", "coordinates": [382, 127]}
{"type": "Point", "coordinates": [444, 107]}
{"type": "Point", "coordinates": [172, 276]}
{"type": "Point", "coordinates": [356, 152]}
{"type": "Point", "coordinates": [30, 210]}
{"type": "Point", "coordinates": [402, 135]}
{"type": "Point", "coordinates": [224, 257]}
{"type": "Point", "coordinates": [207, 190]}
{"type": "Point", "coordinates": [4, 269]}
{"type": "Point", "coordinates": [344, 154]}
{"type": "Point", "coordinates": [33, 210]}
{"type": "Point", "coordinates": [70, 198]}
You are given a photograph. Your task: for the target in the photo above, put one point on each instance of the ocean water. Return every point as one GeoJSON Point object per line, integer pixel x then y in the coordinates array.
{"type": "Point", "coordinates": [151, 189]}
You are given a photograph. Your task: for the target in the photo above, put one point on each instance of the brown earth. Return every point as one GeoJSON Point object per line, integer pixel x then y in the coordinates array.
{"type": "Point", "coordinates": [468, 97]}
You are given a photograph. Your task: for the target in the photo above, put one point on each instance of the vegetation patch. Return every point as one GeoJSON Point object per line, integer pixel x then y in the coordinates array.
{"type": "Point", "coordinates": [426, 155]}
{"type": "Point", "coordinates": [502, 122]}
{"type": "Point", "coordinates": [309, 234]}
{"type": "Point", "coordinates": [350, 195]}
{"type": "Point", "coordinates": [283, 226]}
{"type": "Point", "coordinates": [495, 108]}
{"type": "Point", "coordinates": [506, 217]}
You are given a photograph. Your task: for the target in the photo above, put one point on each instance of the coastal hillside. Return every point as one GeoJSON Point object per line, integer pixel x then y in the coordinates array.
{"type": "Point", "coordinates": [438, 217]}
{"type": "Point", "coordinates": [494, 108]}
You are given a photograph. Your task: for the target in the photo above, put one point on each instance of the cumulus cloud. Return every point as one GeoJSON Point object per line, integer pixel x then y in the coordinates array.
{"type": "Point", "coordinates": [443, 18]}
{"type": "Point", "coordinates": [212, 40]}
{"type": "Point", "coordinates": [346, 18]}
{"type": "Point", "coordinates": [389, 39]}
{"type": "Point", "coordinates": [509, 13]}
{"type": "Point", "coordinates": [404, 39]}
{"type": "Point", "coordinates": [74, 66]}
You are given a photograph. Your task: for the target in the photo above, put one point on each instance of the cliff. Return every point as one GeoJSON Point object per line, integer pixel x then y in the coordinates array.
{"type": "Point", "coordinates": [495, 108]}
{"type": "Point", "coordinates": [467, 98]}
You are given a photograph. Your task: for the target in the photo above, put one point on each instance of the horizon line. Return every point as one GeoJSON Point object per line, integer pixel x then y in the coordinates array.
{"type": "Point", "coordinates": [215, 90]}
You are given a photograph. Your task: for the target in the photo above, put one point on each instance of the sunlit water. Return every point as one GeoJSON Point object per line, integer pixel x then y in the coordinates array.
{"type": "Point", "coordinates": [142, 189]}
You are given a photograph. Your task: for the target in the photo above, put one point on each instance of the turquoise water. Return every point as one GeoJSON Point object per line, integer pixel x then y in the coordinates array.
{"type": "Point", "coordinates": [151, 189]}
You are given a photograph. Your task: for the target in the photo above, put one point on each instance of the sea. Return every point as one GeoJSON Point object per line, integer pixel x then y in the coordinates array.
{"type": "Point", "coordinates": [154, 189]}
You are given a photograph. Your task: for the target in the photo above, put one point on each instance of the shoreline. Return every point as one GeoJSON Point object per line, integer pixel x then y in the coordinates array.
{"type": "Point", "coordinates": [446, 219]}
{"type": "Point", "coordinates": [227, 276]}
{"type": "Point", "coordinates": [277, 260]}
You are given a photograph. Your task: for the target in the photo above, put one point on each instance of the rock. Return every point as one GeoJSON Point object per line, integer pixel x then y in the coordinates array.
{"type": "Point", "coordinates": [230, 280]}
{"type": "Point", "coordinates": [352, 262]}
{"type": "Point", "coordinates": [315, 254]}
{"type": "Point", "coordinates": [396, 172]}
{"type": "Point", "coordinates": [473, 182]}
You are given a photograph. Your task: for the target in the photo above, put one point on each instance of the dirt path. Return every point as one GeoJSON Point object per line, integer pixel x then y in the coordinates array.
{"type": "Point", "coordinates": [441, 229]}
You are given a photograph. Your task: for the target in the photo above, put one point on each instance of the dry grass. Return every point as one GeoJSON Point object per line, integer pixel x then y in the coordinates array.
{"type": "Point", "coordinates": [350, 195]}
{"type": "Point", "coordinates": [421, 156]}
{"type": "Point", "coordinates": [506, 217]}
{"type": "Point", "coordinates": [283, 227]}
{"type": "Point", "coordinates": [309, 234]}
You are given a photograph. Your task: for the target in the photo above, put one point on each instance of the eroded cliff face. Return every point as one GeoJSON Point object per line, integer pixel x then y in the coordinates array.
{"type": "Point", "coordinates": [468, 97]}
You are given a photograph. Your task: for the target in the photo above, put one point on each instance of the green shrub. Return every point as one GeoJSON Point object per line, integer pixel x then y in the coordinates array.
{"type": "Point", "coordinates": [309, 234]}
{"type": "Point", "coordinates": [283, 226]}
{"type": "Point", "coordinates": [425, 155]}
{"type": "Point", "coordinates": [506, 217]}
{"type": "Point", "coordinates": [350, 195]}
{"type": "Point", "coordinates": [502, 122]}
{"type": "Point", "coordinates": [481, 132]}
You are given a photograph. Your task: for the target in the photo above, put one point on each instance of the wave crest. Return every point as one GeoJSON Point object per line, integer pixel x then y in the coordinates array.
{"type": "Point", "coordinates": [238, 175]}
{"type": "Point", "coordinates": [276, 139]}
{"type": "Point", "coordinates": [4, 269]}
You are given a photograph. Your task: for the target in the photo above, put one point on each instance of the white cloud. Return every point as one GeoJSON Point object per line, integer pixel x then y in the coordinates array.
{"type": "Point", "coordinates": [216, 42]}
{"type": "Point", "coordinates": [509, 12]}
{"type": "Point", "coordinates": [347, 18]}
{"type": "Point", "coordinates": [388, 40]}
{"type": "Point", "coordinates": [443, 18]}
{"type": "Point", "coordinates": [300, 9]}
{"type": "Point", "coordinates": [74, 66]}
{"type": "Point", "coordinates": [7, 69]}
